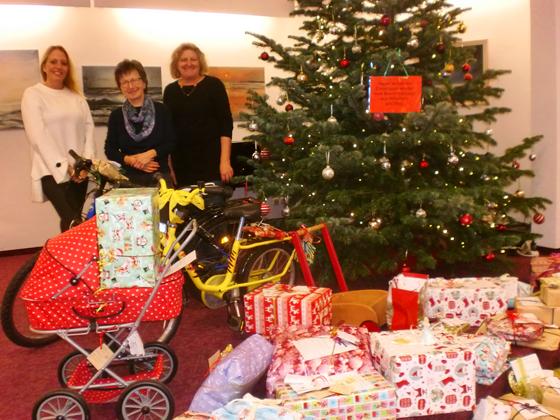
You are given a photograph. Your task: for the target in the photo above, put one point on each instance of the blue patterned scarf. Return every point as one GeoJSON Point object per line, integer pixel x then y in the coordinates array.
{"type": "Point", "coordinates": [133, 119]}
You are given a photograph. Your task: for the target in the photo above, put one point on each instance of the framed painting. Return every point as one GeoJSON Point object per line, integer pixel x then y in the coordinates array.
{"type": "Point", "coordinates": [103, 95]}
{"type": "Point", "coordinates": [19, 69]}
{"type": "Point", "coordinates": [239, 81]}
{"type": "Point", "coordinates": [478, 64]}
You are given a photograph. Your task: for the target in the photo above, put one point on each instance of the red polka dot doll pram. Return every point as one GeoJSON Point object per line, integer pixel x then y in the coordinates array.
{"type": "Point", "coordinates": [63, 290]}
{"type": "Point", "coordinates": [63, 295]}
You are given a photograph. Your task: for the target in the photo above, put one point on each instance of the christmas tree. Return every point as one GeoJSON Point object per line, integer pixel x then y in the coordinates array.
{"type": "Point", "coordinates": [417, 185]}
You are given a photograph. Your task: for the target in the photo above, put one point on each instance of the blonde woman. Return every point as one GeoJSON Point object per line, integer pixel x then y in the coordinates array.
{"type": "Point", "coordinates": [202, 119]}
{"type": "Point", "coordinates": [56, 118]}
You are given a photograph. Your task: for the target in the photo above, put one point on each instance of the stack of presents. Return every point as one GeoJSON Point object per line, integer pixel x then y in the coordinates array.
{"type": "Point", "coordinates": [443, 337]}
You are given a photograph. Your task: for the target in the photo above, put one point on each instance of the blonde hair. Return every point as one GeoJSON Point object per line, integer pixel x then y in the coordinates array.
{"type": "Point", "coordinates": [70, 79]}
{"type": "Point", "coordinates": [176, 55]}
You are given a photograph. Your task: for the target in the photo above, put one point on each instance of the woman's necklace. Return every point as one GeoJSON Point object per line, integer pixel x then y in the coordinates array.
{"type": "Point", "coordinates": [188, 90]}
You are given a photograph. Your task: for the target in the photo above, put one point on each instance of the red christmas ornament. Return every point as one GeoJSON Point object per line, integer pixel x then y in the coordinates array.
{"type": "Point", "coordinates": [289, 107]}
{"type": "Point", "coordinates": [289, 139]}
{"type": "Point", "coordinates": [385, 20]}
{"type": "Point", "coordinates": [424, 23]}
{"type": "Point", "coordinates": [538, 218]}
{"type": "Point", "coordinates": [501, 227]}
{"type": "Point", "coordinates": [515, 164]}
{"type": "Point", "coordinates": [424, 163]}
{"type": "Point", "coordinates": [378, 116]}
{"type": "Point", "coordinates": [465, 219]}
{"type": "Point", "coordinates": [468, 77]}
{"type": "Point", "coordinates": [490, 256]}
{"type": "Point", "coordinates": [265, 153]}
{"type": "Point", "coordinates": [466, 67]}
{"type": "Point", "coordinates": [265, 208]}
{"type": "Point", "coordinates": [344, 63]}
{"type": "Point", "coordinates": [440, 47]}
{"type": "Point", "coordinates": [264, 56]}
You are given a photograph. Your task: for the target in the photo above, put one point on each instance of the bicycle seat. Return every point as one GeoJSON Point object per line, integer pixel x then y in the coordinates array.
{"type": "Point", "coordinates": [250, 210]}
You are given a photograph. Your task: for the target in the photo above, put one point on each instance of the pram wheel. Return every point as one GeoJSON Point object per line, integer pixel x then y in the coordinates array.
{"type": "Point", "coordinates": [147, 363]}
{"type": "Point", "coordinates": [68, 365]}
{"type": "Point", "coordinates": [145, 400]}
{"type": "Point", "coordinates": [62, 404]}
{"type": "Point", "coordinates": [14, 315]}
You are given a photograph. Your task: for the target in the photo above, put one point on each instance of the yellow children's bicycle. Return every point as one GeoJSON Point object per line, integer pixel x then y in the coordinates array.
{"type": "Point", "coordinates": [257, 253]}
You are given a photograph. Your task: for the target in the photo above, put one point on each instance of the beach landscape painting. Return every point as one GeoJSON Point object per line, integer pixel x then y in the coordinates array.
{"type": "Point", "coordinates": [102, 93]}
{"type": "Point", "coordinates": [19, 69]}
{"type": "Point", "coordinates": [238, 82]}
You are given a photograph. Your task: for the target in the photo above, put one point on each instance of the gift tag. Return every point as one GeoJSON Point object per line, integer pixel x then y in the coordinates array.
{"type": "Point", "coordinates": [526, 367]}
{"type": "Point", "coordinates": [100, 356]}
{"type": "Point", "coordinates": [135, 344]}
{"type": "Point", "coordinates": [182, 263]}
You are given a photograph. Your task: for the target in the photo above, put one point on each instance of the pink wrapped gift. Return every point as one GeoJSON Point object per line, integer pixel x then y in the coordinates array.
{"type": "Point", "coordinates": [471, 300]}
{"type": "Point", "coordinates": [371, 397]}
{"type": "Point", "coordinates": [288, 360]}
{"type": "Point", "coordinates": [280, 305]}
{"type": "Point", "coordinates": [430, 379]}
{"type": "Point", "coordinates": [516, 327]}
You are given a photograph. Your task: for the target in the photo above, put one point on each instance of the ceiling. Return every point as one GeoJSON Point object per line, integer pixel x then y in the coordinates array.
{"type": "Point", "coordinates": [276, 8]}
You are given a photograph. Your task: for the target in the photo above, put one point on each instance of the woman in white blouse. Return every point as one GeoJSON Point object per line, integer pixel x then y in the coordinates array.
{"type": "Point", "coordinates": [57, 118]}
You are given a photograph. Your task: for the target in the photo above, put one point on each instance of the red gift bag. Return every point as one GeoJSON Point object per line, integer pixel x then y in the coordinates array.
{"type": "Point", "coordinates": [405, 309]}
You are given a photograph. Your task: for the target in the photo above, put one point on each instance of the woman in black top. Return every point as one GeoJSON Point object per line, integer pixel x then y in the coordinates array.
{"type": "Point", "coordinates": [202, 119]}
{"type": "Point", "coordinates": [140, 134]}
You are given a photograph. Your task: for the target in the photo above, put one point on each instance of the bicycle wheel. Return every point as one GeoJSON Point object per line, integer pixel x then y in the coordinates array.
{"type": "Point", "coordinates": [267, 262]}
{"type": "Point", "coordinates": [14, 316]}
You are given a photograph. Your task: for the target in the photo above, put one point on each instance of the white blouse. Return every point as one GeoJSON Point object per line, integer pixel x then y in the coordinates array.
{"type": "Point", "coordinates": [55, 120]}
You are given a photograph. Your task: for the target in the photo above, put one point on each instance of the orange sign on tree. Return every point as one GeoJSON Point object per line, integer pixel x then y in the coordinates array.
{"type": "Point", "coordinates": [395, 94]}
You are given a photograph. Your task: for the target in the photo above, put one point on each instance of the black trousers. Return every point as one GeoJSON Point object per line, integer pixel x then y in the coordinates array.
{"type": "Point", "coordinates": [67, 199]}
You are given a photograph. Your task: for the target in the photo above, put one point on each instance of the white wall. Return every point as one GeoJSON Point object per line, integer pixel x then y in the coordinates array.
{"type": "Point", "coordinates": [105, 36]}
{"type": "Point", "coordinates": [545, 59]}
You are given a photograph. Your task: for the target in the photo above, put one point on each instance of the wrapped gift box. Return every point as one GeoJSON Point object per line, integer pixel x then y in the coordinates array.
{"type": "Point", "coordinates": [372, 398]}
{"type": "Point", "coordinates": [288, 360]}
{"type": "Point", "coordinates": [128, 237]}
{"type": "Point", "coordinates": [430, 379]}
{"type": "Point", "coordinates": [470, 300]}
{"type": "Point", "coordinates": [550, 291]}
{"type": "Point", "coordinates": [545, 265]}
{"type": "Point", "coordinates": [516, 327]}
{"type": "Point", "coordinates": [521, 409]}
{"type": "Point", "coordinates": [280, 305]}
{"type": "Point", "coordinates": [549, 315]}
{"type": "Point", "coordinates": [491, 355]}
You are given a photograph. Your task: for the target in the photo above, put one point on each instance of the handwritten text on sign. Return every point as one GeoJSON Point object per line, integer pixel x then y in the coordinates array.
{"type": "Point", "coordinates": [395, 94]}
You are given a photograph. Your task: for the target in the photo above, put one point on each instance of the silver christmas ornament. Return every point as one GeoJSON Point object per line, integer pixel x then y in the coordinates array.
{"type": "Point", "coordinates": [385, 163]}
{"type": "Point", "coordinates": [253, 126]}
{"type": "Point", "coordinates": [532, 157]}
{"type": "Point", "coordinates": [302, 77]}
{"type": "Point", "coordinates": [421, 213]}
{"type": "Point", "coordinates": [281, 100]}
{"type": "Point", "coordinates": [286, 211]}
{"type": "Point", "coordinates": [413, 43]}
{"type": "Point", "coordinates": [332, 119]}
{"type": "Point", "coordinates": [519, 193]}
{"type": "Point", "coordinates": [328, 173]}
{"type": "Point", "coordinates": [256, 156]}
{"type": "Point", "coordinates": [356, 49]}
{"type": "Point", "coordinates": [375, 224]}
{"type": "Point", "coordinates": [453, 159]}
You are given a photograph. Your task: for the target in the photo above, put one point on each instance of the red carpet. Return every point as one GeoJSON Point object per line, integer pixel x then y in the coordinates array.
{"type": "Point", "coordinates": [27, 374]}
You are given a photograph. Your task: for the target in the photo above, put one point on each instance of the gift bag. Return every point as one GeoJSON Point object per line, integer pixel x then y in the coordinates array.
{"type": "Point", "coordinates": [403, 300]}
